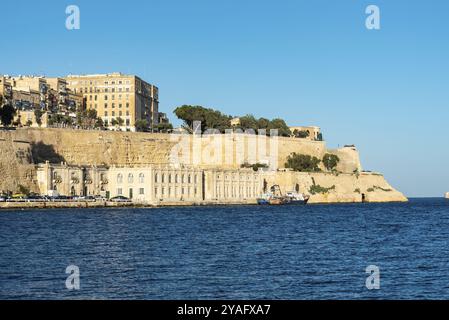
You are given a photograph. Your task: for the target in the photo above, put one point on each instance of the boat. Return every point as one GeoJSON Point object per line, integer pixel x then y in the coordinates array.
{"type": "Point", "coordinates": [275, 197]}
{"type": "Point", "coordinates": [296, 198]}
{"type": "Point", "coordinates": [447, 195]}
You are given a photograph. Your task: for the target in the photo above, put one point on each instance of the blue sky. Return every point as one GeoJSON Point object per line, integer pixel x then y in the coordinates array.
{"type": "Point", "coordinates": [309, 62]}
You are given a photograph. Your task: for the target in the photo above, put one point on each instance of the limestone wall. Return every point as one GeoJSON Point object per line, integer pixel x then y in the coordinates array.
{"type": "Point", "coordinates": [79, 147]}
{"type": "Point", "coordinates": [342, 187]}
{"type": "Point", "coordinates": [15, 163]}
{"type": "Point", "coordinates": [21, 147]}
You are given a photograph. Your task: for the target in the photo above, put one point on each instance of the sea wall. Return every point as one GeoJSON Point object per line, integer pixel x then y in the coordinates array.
{"type": "Point", "coordinates": [368, 187]}
{"type": "Point", "coordinates": [22, 148]}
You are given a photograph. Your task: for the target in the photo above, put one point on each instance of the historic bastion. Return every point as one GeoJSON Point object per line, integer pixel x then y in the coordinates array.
{"type": "Point", "coordinates": [22, 149]}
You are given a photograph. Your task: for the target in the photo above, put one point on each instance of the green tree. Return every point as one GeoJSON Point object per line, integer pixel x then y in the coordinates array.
{"type": "Point", "coordinates": [120, 122]}
{"type": "Point", "coordinates": [38, 113]}
{"type": "Point", "coordinates": [301, 133]}
{"type": "Point", "coordinates": [209, 118]}
{"type": "Point", "coordinates": [142, 125]}
{"type": "Point", "coordinates": [302, 162]}
{"type": "Point", "coordinates": [330, 161]}
{"type": "Point", "coordinates": [7, 113]}
{"type": "Point", "coordinates": [249, 122]}
{"type": "Point", "coordinates": [281, 126]}
{"type": "Point", "coordinates": [164, 127]}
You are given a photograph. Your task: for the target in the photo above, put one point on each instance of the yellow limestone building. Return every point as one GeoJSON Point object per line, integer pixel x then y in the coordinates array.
{"type": "Point", "coordinates": [117, 96]}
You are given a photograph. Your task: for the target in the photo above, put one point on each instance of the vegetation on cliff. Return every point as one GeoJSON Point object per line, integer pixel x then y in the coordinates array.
{"type": "Point", "coordinates": [213, 119]}
{"type": "Point", "coordinates": [7, 112]}
{"type": "Point", "coordinates": [303, 162]}
{"type": "Point", "coordinates": [330, 161]}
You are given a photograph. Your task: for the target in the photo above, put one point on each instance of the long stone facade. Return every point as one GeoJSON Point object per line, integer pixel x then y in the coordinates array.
{"type": "Point", "coordinates": [151, 184]}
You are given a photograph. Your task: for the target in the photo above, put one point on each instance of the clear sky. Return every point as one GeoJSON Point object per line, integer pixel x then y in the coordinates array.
{"type": "Point", "coordinates": [309, 62]}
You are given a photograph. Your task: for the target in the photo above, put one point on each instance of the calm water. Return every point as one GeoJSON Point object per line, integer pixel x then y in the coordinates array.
{"type": "Point", "coordinates": [311, 252]}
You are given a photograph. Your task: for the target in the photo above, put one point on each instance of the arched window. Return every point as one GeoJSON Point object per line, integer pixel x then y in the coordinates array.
{"type": "Point", "coordinates": [141, 178]}
{"type": "Point", "coordinates": [182, 178]}
{"type": "Point", "coordinates": [176, 178]}
{"type": "Point", "coordinates": [130, 178]}
{"type": "Point", "coordinates": [156, 177]}
{"type": "Point", "coordinates": [189, 179]}
{"type": "Point", "coordinates": [163, 177]}
{"type": "Point", "coordinates": [169, 178]}
{"type": "Point", "coordinates": [195, 179]}
{"type": "Point", "coordinates": [120, 178]}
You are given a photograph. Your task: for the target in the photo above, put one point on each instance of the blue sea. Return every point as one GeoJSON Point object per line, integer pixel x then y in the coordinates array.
{"type": "Point", "coordinates": [229, 252]}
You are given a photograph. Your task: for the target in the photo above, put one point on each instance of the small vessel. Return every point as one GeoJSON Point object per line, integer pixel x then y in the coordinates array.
{"type": "Point", "coordinates": [447, 195]}
{"type": "Point", "coordinates": [275, 197]}
{"type": "Point", "coordinates": [296, 198]}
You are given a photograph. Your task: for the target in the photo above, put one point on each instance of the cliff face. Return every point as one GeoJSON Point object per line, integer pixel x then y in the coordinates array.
{"type": "Point", "coordinates": [337, 188]}
{"type": "Point", "coordinates": [23, 147]}
{"type": "Point", "coordinates": [15, 163]}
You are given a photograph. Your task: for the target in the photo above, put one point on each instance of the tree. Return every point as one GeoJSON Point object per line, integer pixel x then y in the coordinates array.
{"type": "Point", "coordinates": [330, 161]}
{"type": "Point", "coordinates": [301, 133]}
{"type": "Point", "coordinates": [7, 113]}
{"type": "Point", "coordinates": [142, 125]}
{"type": "Point", "coordinates": [302, 162]}
{"type": "Point", "coordinates": [209, 118]}
{"type": "Point", "coordinates": [38, 113]}
{"type": "Point", "coordinates": [249, 122]}
{"type": "Point", "coordinates": [164, 127]}
{"type": "Point", "coordinates": [120, 122]}
{"type": "Point", "coordinates": [281, 126]}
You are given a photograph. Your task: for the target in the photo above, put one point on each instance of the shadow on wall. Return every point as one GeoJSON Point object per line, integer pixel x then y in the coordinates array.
{"type": "Point", "coordinates": [42, 152]}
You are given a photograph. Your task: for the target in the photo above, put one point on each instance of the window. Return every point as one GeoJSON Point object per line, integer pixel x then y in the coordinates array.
{"type": "Point", "coordinates": [119, 178]}
{"type": "Point", "coordinates": [120, 105]}
{"type": "Point", "coordinates": [105, 113]}
{"type": "Point", "coordinates": [155, 177]}
{"type": "Point", "coordinates": [119, 191]}
{"type": "Point", "coordinates": [113, 97]}
{"type": "Point", "coordinates": [127, 105]}
{"type": "Point", "coordinates": [105, 97]}
{"type": "Point", "coordinates": [155, 192]}
{"type": "Point", "coordinates": [189, 179]}
{"type": "Point", "coordinates": [113, 113]}
{"type": "Point", "coordinates": [95, 97]}
{"type": "Point", "coordinates": [130, 178]}
{"type": "Point", "coordinates": [120, 113]}
{"type": "Point", "coordinates": [176, 178]}
{"type": "Point", "coordinates": [127, 122]}
{"type": "Point", "coordinates": [169, 178]}
{"type": "Point", "coordinates": [141, 191]}
{"type": "Point", "coordinates": [141, 178]}
{"type": "Point", "coordinates": [182, 179]}
{"type": "Point", "coordinates": [113, 105]}
{"type": "Point", "coordinates": [105, 105]}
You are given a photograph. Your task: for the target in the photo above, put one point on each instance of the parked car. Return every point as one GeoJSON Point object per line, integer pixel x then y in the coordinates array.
{"type": "Point", "coordinates": [120, 199]}
{"type": "Point", "coordinates": [100, 198]}
{"type": "Point", "coordinates": [3, 198]}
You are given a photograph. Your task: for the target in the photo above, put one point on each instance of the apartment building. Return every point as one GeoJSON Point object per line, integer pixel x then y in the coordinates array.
{"type": "Point", "coordinates": [124, 102]}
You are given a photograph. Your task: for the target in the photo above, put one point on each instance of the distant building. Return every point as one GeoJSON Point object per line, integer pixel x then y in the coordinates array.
{"type": "Point", "coordinates": [116, 95]}
{"type": "Point", "coordinates": [151, 184]}
{"type": "Point", "coordinates": [313, 132]}
{"type": "Point", "coordinates": [235, 122]}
